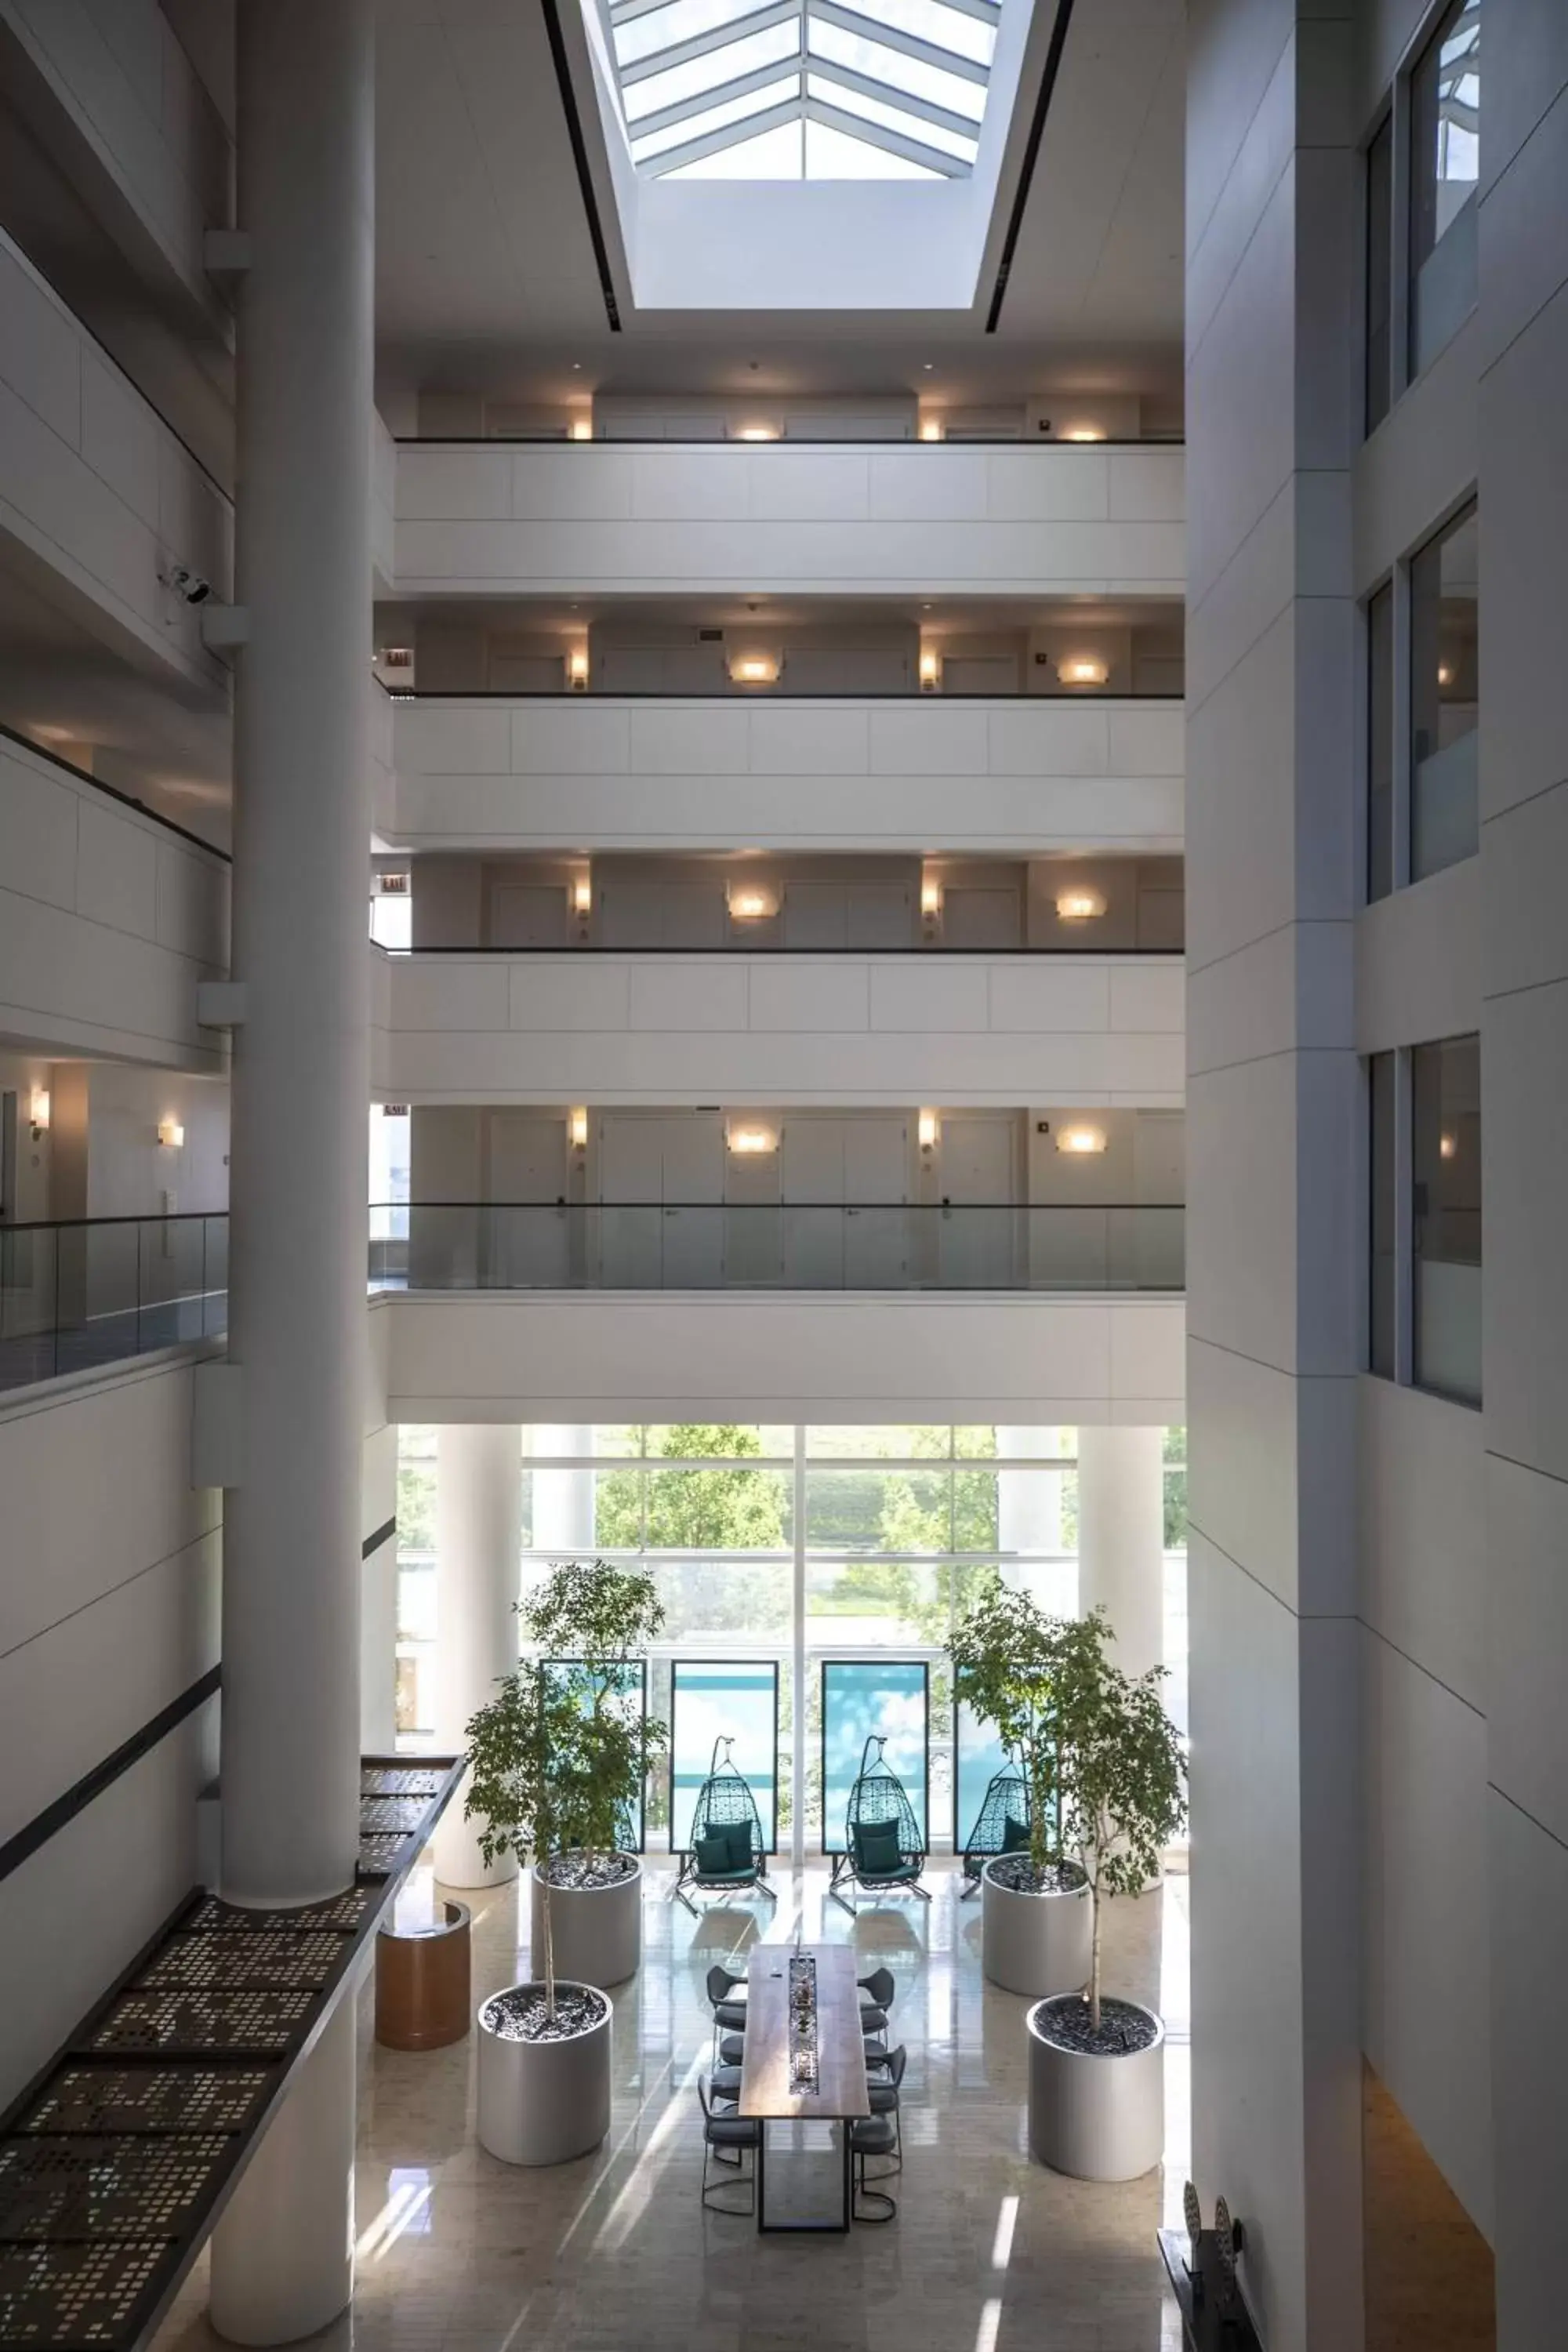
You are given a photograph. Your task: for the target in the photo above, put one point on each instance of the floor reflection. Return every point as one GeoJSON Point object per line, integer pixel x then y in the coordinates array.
{"type": "Point", "coordinates": [989, 2253]}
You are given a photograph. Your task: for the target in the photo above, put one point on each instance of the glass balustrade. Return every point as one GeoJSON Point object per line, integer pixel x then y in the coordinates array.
{"type": "Point", "coordinates": [709, 1245]}
{"type": "Point", "coordinates": [77, 1295]}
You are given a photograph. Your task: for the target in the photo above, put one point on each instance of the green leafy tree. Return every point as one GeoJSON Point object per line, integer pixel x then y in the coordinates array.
{"type": "Point", "coordinates": [1121, 1772]}
{"type": "Point", "coordinates": [1008, 1659]}
{"type": "Point", "coordinates": [558, 1755]}
{"type": "Point", "coordinates": [695, 1510]}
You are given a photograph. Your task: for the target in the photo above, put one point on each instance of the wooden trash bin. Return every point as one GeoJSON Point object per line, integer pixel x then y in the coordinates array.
{"type": "Point", "coordinates": [423, 1981]}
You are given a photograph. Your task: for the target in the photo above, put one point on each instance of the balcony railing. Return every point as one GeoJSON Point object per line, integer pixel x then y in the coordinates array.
{"type": "Point", "coordinates": [471, 1246]}
{"type": "Point", "coordinates": [78, 1295]}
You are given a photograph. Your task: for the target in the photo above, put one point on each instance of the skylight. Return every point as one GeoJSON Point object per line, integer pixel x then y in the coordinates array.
{"type": "Point", "coordinates": [803, 89]}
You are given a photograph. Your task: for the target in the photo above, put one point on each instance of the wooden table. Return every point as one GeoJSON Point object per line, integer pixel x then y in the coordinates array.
{"type": "Point", "coordinates": [766, 2094]}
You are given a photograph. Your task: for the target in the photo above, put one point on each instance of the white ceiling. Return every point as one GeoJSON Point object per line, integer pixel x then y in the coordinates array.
{"type": "Point", "coordinates": [486, 279]}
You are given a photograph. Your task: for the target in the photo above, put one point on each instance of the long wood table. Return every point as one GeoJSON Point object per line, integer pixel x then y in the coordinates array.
{"type": "Point", "coordinates": [767, 2095]}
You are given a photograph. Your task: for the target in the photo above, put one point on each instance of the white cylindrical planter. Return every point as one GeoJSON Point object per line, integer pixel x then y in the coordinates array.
{"type": "Point", "coordinates": [597, 1931]}
{"type": "Point", "coordinates": [478, 1534]}
{"type": "Point", "coordinates": [1095, 2117]}
{"type": "Point", "coordinates": [1121, 1539]}
{"type": "Point", "coordinates": [282, 2255]}
{"type": "Point", "coordinates": [1035, 1944]}
{"type": "Point", "coordinates": [544, 2102]}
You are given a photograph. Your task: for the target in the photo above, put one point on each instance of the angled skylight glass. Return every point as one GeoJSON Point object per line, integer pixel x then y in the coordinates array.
{"type": "Point", "coordinates": [803, 89]}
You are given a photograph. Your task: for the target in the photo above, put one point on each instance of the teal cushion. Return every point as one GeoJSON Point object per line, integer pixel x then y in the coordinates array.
{"type": "Point", "coordinates": [876, 1847]}
{"type": "Point", "coordinates": [738, 1838]}
{"type": "Point", "coordinates": [712, 1853]}
{"type": "Point", "coordinates": [1014, 1835]}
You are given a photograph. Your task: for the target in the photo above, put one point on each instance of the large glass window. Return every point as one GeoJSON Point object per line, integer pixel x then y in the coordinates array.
{"type": "Point", "coordinates": [897, 1525]}
{"type": "Point", "coordinates": [1380, 745]}
{"type": "Point", "coordinates": [1384, 1079]}
{"type": "Point", "coordinates": [1444, 697]}
{"type": "Point", "coordinates": [1446, 1202]}
{"type": "Point", "coordinates": [1445, 126]}
{"type": "Point", "coordinates": [1379, 275]}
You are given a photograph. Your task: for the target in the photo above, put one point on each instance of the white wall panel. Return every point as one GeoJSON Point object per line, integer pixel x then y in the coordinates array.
{"type": "Point", "coordinates": [750, 518]}
{"type": "Point", "coordinates": [633, 1356]}
{"type": "Point", "coordinates": [1025, 774]}
{"type": "Point", "coordinates": [1426, 1584]}
{"type": "Point", "coordinates": [1427, 1959]}
{"type": "Point", "coordinates": [108, 1612]}
{"type": "Point", "coordinates": [95, 488]}
{"type": "Point", "coordinates": [763, 1029]}
{"type": "Point", "coordinates": [107, 921]}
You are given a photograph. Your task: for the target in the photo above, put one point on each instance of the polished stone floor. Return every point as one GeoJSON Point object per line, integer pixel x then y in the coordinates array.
{"type": "Point", "coordinates": [989, 2252]}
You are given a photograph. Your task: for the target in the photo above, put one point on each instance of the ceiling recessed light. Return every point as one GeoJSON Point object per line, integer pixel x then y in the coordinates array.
{"type": "Point", "coordinates": [928, 365]}
{"type": "Point", "coordinates": [576, 367]}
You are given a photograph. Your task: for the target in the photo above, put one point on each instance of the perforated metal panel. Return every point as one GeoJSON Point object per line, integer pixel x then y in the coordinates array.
{"type": "Point", "coordinates": [81, 2187]}
{"type": "Point", "coordinates": [111, 2169]}
{"type": "Point", "coordinates": [137, 2099]}
{"type": "Point", "coordinates": [74, 2294]}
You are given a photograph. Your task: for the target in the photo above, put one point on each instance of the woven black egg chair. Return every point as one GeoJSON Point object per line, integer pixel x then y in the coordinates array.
{"type": "Point", "coordinates": [884, 1853]}
{"type": "Point", "coordinates": [1001, 1826]}
{"type": "Point", "coordinates": [728, 1853]}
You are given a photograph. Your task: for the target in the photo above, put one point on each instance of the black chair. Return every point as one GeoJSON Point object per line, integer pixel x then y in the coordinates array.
{"type": "Point", "coordinates": [725, 1821]}
{"type": "Point", "coordinates": [1001, 1826]}
{"type": "Point", "coordinates": [729, 2014]}
{"type": "Point", "coordinates": [724, 2084]}
{"type": "Point", "coordinates": [884, 1851]}
{"type": "Point", "coordinates": [871, 2135]}
{"type": "Point", "coordinates": [725, 2139]}
{"type": "Point", "coordinates": [731, 2049]}
{"type": "Point", "coordinates": [885, 2076]}
{"type": "Point", "coordinates": [877, 1991]}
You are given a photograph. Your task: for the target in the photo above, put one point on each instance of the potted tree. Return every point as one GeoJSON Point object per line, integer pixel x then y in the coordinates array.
{"type": "Point", "coordinates": [1036, 1928]}
{"type": "Point", "coordinates": [1097, 2076]}
{"type": "Point", "coordinates": [558, 1758]}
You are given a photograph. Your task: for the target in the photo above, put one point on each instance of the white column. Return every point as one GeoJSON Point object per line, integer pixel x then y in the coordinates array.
{"type": "Point", "coordinates": [378, 1651]}
{"type": "Point", "coordinates": [296, 1260]}
{"type": "Point", "coordinates": [282, 2258]}
{"type": "Point", "coordinates": [563, 1499]}
{"type": "Point", "coordinates": [1121, 1539]}
{"type": "Point", "coordinates": [478, 1536]}
{"type": "Point", "coordinates": [287, 2234]}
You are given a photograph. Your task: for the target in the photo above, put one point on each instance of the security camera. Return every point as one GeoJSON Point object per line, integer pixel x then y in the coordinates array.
{"type": "Point", "coordinates": [190, 585]}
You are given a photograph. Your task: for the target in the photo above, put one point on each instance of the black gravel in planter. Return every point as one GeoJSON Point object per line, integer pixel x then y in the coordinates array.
{"type": "Point", "coordinates": [571, 1870]}
{"type": "Point", "coordinates": [1123, 2026]}
{"type": "Point", "coordinates": [520, 2015]}
{"type": "Point", "coordinates": [1018, 1875]}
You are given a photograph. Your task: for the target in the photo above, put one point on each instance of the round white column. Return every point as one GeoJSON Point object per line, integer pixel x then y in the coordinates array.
{"type": "Point", "coordinates": [563, 1499]}
{"type": "Point", "coordinates": [306, 88]}
{"type": "Point", "coordinates": [283, 2254]}
{"type": "Point", "coordinates": [478, 1536]}
{"type": "Point", "coordinates": [1121, 1537]}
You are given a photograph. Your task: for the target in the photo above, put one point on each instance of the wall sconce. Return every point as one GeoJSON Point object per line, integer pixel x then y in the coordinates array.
{"type": "Point", "coordinates": [751, 1142]}
{"type": "Point", "coordinates": [1083, 670]}
{"type": "Point", "coordinates": [580, 898]}
{"type": "Point", "coordinates": [1081, 1141]}
{"type": "Point", "coordinates": [38, 1113]}
{"type": "Point", "coordinates": [930, 900]}
{"type": "Point", "coordinates": [929, 1130]}
{"type": "Point", "coordinates": [1080, 905]}
{"type": "Point", "coordinates": [931, 428]}
{"type": "Point", "coordinates": [931, 669]}
{"type": "Point", "coordinates": [757, 432]}
{"type": "Point", "coordinates": [752, 905]}
{"type": "Point", "coordinates": [171, 1134]}
{"type": "Point", "coordinates": [1445, 674]}
{"type": "Point", "coordinates": [581, 429]}
{"type": "Point", "coordinates": [754, 670]}
{"type": "Point", "coordinates": [577, 1128]}
{"type": "Point", "coordinates": [1448, 1147]}
{"type": "Point", "coordinates": [1083, 433]}
{"type": "Point", "coordinates": [577, 670]}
